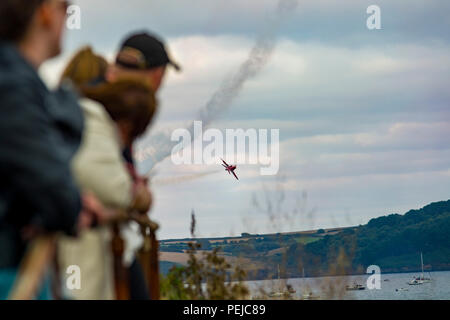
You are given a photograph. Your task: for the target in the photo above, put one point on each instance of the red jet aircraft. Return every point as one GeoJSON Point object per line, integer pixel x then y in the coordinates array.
{"type": "Point", "coordinates": [229, 168]}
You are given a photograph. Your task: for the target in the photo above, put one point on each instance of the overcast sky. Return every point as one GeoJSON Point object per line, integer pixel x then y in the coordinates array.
{"type": "Point", "coordinates": [364, 115]}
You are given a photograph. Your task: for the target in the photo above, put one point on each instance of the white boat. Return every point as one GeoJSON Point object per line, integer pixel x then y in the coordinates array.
{"type": "Point", "coordinates": [355, 286]}
{"type": "Point", "coordinates": [285, 294]}
{"type": "Point", "coordinates": [415, 282]}
{"type": "Point", "coordinates": [309, 296]}
{"type": "Point", "coordinates": [421, 279]}
{"type": "Point", "coordinates": [278, 294]}
{"type": "Point", "coordinates": [307, 293]}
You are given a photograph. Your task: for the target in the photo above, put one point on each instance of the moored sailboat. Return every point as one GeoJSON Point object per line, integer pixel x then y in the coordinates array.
{"type": "Point", "coordinates": [282, 293]}
{"type": "Point", "coordinates": [421, 279]}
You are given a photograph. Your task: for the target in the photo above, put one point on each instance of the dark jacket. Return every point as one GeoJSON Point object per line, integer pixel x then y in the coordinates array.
{"type": "Point", "coordinates": [39, 133]}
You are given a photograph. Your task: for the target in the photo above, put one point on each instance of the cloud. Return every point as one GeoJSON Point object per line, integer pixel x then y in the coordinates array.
{"type": "Point", "coordinates": [363, 115]}
{"type": "Point", "coordinates": [329, 21]}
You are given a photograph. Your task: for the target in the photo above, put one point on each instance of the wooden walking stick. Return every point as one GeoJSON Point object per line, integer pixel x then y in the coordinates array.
{"type": "Point", "coordinates": [121, 278]}
{"type": "Point", "coordinates": [148, 254]}
{"type": "Point", "coordinates": [154, 265]}
{"type": "Point", "coordinates": [32, 270]}
{"type": "Point", "coordinates": [144, 255]}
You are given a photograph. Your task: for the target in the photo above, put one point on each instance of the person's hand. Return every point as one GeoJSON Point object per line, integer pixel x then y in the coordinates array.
{"type": "Point", "coordinates": [94, 212]}
{"type": "Point", "coordinates": [85, 220]}
{"type": "Point", "coordinates": [143, 197]}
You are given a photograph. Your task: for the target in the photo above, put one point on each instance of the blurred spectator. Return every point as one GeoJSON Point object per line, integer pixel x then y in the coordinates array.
{"type": "Point", "coordinates": [40, 131]}
{"type": "Point", "coordinates": [142, 56]}
{"type": "Point", "coordinates": [116, 113]}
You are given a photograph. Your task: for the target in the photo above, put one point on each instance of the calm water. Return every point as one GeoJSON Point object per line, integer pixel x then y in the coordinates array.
{"type": "Point", "coordinates": [334, 287]}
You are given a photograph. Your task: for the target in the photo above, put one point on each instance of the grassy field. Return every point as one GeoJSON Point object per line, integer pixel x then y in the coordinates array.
{"type": "Point", "coordinates": [249, 250]}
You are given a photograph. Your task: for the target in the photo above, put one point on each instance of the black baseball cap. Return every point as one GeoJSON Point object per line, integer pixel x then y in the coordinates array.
{"type": "Point", "coordinates": [144, 51]}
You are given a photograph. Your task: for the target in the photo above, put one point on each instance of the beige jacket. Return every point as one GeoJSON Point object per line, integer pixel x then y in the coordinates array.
{"type": "Point", "coordinates": [99, 168]}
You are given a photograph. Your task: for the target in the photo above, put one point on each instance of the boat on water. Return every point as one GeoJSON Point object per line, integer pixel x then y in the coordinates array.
{"type": "Point", "coordinates": [354, 286]}
{"type": "Point", "coordinates": [285, 293]}
{"type": "Point", "coordinates": [307, 293]}
{"type": "Point", "coordinates": [309, 296]}
{"type": "Point", "coordinates": [279, 294]}
{"type": "Point", "coordinates": [416, 281]}
{"type": "Point", "coordinates": [421, 279]}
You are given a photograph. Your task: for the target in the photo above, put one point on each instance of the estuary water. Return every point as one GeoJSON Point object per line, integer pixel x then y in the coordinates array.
{"type": "Point", "coordinates": [394, 286]}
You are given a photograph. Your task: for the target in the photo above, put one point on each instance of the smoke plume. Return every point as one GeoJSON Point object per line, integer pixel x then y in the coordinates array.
{"type": "Point", "coordinates": [159, 146]}
{"type": "Point", "coordinates": [180, 179]}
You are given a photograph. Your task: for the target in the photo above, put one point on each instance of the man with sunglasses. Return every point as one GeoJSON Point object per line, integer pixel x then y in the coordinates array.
{"type": "Point", "coordinates": [39, 133]}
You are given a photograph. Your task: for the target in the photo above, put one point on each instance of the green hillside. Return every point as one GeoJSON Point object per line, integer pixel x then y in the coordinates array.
{"type": "Point", "coordinates": [393, 242]}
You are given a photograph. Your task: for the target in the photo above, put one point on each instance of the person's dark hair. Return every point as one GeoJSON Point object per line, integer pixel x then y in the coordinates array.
{"type": "Point", "coordinates": [15, 18]}
{"type": "Point", "coordinates": [126, 99]}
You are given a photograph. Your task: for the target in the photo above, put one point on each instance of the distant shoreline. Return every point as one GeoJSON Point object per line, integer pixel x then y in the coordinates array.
{"type": "Point", "coordinates": [245, 235]}
{"type": "Point", "coordinates": [350, 275]}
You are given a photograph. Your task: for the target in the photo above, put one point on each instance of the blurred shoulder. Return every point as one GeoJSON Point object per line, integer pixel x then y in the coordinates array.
{"type": "Point", "coordinates": [94, 111]}
{"type": "Point", "coordinates": [97, 121]}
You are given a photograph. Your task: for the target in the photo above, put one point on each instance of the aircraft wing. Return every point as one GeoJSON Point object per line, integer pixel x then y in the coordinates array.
{"type": "Point", "coordinates": [225, 162]}
{"type": "Point", "coordinates": [234, 174]}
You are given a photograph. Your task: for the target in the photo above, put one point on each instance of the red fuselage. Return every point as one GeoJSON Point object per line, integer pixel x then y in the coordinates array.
{"type": "Point", "coordinates": [230, 169]}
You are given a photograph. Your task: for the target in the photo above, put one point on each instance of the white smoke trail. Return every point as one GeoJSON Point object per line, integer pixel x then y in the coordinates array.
{"type": "Point", "coordinates": [159, 146]}
{"type": "Point", "coordinates": [180, 179]}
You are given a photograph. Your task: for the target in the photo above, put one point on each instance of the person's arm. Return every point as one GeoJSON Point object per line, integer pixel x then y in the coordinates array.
{"type": "Point", "coordinates": [100, 168]}
{"type": "Point", "coordinates": [142, 197]}
{"type": "Point", "coordinates": [32, 157]}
